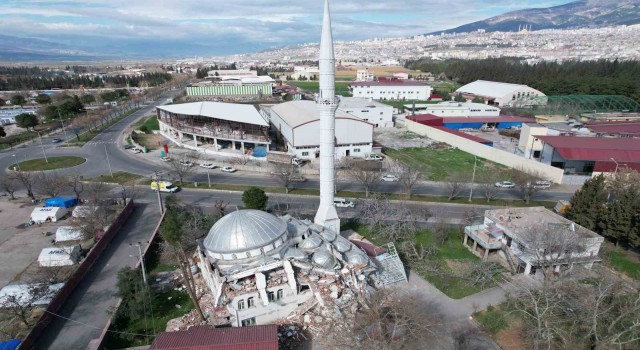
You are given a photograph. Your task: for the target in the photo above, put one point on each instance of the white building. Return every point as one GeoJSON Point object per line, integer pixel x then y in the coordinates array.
{"type": "Point", "coordinates": [376, 113]}
{"type": "Point", "coordinates": [305, 72]}
{"type": "Point", "coordinates": [529, 144]}
{"type": "Point", "coordinates": [391, 89]}
{"type": "Point", "coordinates": [8, 113]}
{"type": "Point", "coordinates": [364, 75]}
{"type": "Point", "coordinates": [298, 122]}
{"type": "Point", "coordinates": [455, 109]}
{"type": "Point", "coordinates": [223, 74]}
{"type": "Point", "coordinates": [527, 239]}
{"type": "Point", "coordinates": [499, 94]}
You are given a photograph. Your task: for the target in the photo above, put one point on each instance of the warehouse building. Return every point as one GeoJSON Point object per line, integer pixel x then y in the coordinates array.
{"type": "Point", "coordinates": [454, 109]}
{"type": "Point", "coordinates": [391, 89]}
{"type": "Point", "coordinates": [499, 94]}
{"type": "Point", "coordinates": [243, 87]}
{"type": "Point", "coordinates": [297, 124]}
{"type": "Point", "coordinates": [376, 113]}
{"type": "Point", "coordinates": [214, 126]}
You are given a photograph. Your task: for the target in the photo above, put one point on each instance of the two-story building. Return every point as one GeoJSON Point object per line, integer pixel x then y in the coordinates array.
{"type": "Point", "coordinates": [391, 89]}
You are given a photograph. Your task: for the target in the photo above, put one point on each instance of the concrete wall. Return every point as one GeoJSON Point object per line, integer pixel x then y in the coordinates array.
{"type": "Point", "coordinates": [495, 155]}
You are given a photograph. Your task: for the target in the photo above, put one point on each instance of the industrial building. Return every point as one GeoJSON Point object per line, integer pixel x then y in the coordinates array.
{"type": "Point", "coordinates": [477, 123]}
{"type": "Point", "coordinates": [297, 124]}
{"type": "Point", "coordinates": [214, 126]}
{"type": "Point", "coordinates": [499, 94]}
{"type": "Point", "coordinates": [8, 113]}
{"type": "Point", "coordinates": [243, 87]}
{"type": "Point", "coordinates": [454, 109]}
{"type": "Point", "coordinates": [527, 239]}
{"type": "Point", "coordinates": [391, 89]}
{"type": "Point", "coordinates": [376, 113]}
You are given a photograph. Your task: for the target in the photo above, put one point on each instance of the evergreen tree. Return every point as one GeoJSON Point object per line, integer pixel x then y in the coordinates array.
{"type": "Point", "coordinates": [2, 132]}
{"type": "Point", "coordinates": [254, 198]}
{"type": "Point", "coordinates": [588, 202]}
{"type": "Point", "coordinates": [43, 99]}
{"type": "Point", "coordinates": [460, 98]}
{"type": "Point", "coordinates": [26, 120]}
{"type": "Point", "coordinates": [2, 102]}
{"type": "Point", "coordinates": [18, 100]}
{"type": "Point", "coordinates": [618, 222]}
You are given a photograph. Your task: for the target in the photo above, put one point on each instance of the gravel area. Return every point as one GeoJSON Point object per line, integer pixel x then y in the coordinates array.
{"type": "Point", "coordinates": [400, 138]}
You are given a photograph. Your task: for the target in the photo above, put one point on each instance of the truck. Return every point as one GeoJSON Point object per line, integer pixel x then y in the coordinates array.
{"type": "Point", "coordinates": [164, 186]}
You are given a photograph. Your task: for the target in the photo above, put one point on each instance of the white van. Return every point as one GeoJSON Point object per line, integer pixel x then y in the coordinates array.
{"type": "Point", "coordinates": [342, 203]}
{"type": "Point", "coordinates": [165, 186]}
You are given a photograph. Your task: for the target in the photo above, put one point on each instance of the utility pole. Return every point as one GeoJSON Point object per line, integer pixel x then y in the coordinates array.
{"type": "Point", "coordinates": [15, 160]}
{"type": "Point", "coordinates": [473, 177]}
{"type": "Point", "coordinates": [208, 177]}
{"type": "Point", "coordinates": [61, 122]}
{"type": "Point", "coordinates": [41, 145]}
{"type": "Point", "coordinates": [144, 273]}
{"type": "Point", "coordinates": [108, 162]}
{"type": "Point", "coordinates": [158, 192]}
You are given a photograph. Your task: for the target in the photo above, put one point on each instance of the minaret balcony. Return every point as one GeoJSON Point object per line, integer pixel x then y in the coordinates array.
{"type": "Point", "coordinates": [328, 101]}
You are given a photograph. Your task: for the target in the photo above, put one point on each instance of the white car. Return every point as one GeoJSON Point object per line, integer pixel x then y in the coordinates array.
{"type": "Point", "coordinates": [185, 163]}
{"type": "Point", "coordinates": [541, 185]}
{"type": "Point", "coordinates": [135, 150]}
{"type": "Point", "coordinates": [374, 156]}
{"type": "Point", "coordinates": [505, 184]}
{"type": "Point", "coordinates": [165, 159]}
{"type": "Point", "coordinates": [228, 169]}
{"type": "Point", "coordinates": [343, 203]}
{"type": "Point", "coordinates": [279, 173]}
{"type": "Point", "coordinates": [208, 165]}
{"type": "Point", "coordinates": [389, 178]}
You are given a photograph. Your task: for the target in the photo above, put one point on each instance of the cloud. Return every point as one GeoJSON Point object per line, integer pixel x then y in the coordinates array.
{"type": "Point", "coordinates": [253, 23]}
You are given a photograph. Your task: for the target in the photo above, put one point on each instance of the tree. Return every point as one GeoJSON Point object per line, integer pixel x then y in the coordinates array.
{"type": "Point", "coordinates": [460, 98]}
{"type": "Point", "coordinates": [76, 184]}
{"type": "Point", "coordinates": [26, 120]}
{"type": "Point", "coordinates": [18, 100]}
{"type": "Point", "coordinates": [50, 183]}
{"type": "Point", "coordinates": [408, 177]}
{"type": "Point", "coordinates": [367, 173]}
{"type": "Point", "coordinates": [455, 184]}
{"type": "Point", "coordinates": [526, 183]}
{"type": "Point", "coordinates": [2, 132]}
{"type": "Point", "coordinates": [21, 304]}
{"type": "Point", "coordinates": [26, 179]}
{"type": "Point", "coordinates": [43, 99]}
{"type": "Point", "coordinates": [284, 173]}
{"type": "Point", "coordinates": [487, 182]}
{"type": "Point", "coordinates": [255, 198]}
{"type": "Point", "coordinates": [132, 290]}
{"type": "Point", "coordinates": [87, 99]}
{"type": "Point", "coordinates": [478, 99]}
{"type": "Point", "coordinates": [10, 185]}
{"type": "Point", "coordinates": [2, 102]}
{"type": "Point", "coordinates": [588, 203]}
{"type": "Point", "coordinates": [182, 165]}
{"type": "Point", "coordinates": [619, 220]}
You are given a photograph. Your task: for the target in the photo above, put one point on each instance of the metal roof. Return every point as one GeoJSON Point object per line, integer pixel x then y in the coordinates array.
{"type": "Point", "coordinates": [389, 82]}
{"type": "Point", "coordinates": [296, 113]}
{"type": "Point", "coordinates": [595, 148]}
{"type": "Point", "coordinates": [244, 230]}
{"type": "Point", "coordinates": [324, 258]}
{"type": "Point", "coordinates": [500, 119]}
{"type": "Point", "coordinates": [490, 88]}
{"type": "Point", "coordinates": [359, 102]}
{"type": "Point", "coordinates": [462, 134]}
{"type": "Point", "coordinates": [615, 128]}
{"type": "Point", "coordinates": [263, 337]}
{"type": "Point", "coordinates": [234, 112]}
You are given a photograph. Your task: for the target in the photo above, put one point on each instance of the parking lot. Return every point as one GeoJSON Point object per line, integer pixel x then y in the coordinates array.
{"type": "Point", "coordinates": [20, 246]}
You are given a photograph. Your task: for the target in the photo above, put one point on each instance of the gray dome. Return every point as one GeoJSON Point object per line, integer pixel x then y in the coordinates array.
{"type": "Point", "coordinates": [311, 242]}
{"type": "Point", "coordinates": [245, 230]}
{"type": "Point", "coordinates": [357, 258]}
{"type": "Point", "coordinates": [324, 258]}
{"type": "Point", "coordinates": [342, 245]}
{"type": "Point", "coordinates": [329, 235]}
{"type": "Point", "coordinates": [295, 253]}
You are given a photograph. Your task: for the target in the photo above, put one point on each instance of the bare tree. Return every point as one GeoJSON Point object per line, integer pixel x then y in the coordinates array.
{"type": "Point", "coordinates": [487, 179]}
{"type": "Point", "coordinates": [182, 165]}
{"type": "Point", "coordinates": [21, 304]}
{"type": "Point", "coordinates": [455, 184]}
{"type": "Point", "coordinates": [76, 184]}
{"type": "Point", "coordinates": [374, 211]}
{"type": "Point", "coordinates": [50, 183]}
{"type": "Point", "coordinates": [10, 185]}
{"type": "Point", "coordinates": [367, 173]}
{"type": "Point", "coordinates": [623, 180]}
{"type": "Point", "coordinates": [220, 207]}
{"type": "Point", "coordinates": [26, 178]}
{"type": "Point", "coordinates": [284, 173]}
{"type": "Point", "coordinates": [408, 177]}
{"type": "Point", "coordinates": [526, 183]}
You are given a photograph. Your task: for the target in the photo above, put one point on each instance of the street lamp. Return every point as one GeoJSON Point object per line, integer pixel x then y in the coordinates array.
{"type": "Point", "coordinates": [616, 171]}
{"type": "Point", "coordinates": [144, 273]}
{"type": "Point", "coordinates": [41, 145]}
{"type": "Point", "coordinates": [16, 161]}
{"type": "Point", "coordinates": [473, 177]}
{"type": "Point", "coordinates": [61, 122]}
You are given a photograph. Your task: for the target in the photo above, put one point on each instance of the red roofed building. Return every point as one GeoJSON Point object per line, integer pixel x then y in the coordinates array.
{"type": "Point", "coordinates": [391, 89]}
{"type": "Point", "coordinates": [585, 155]}
{"type": "Point", "coordinates": [615, 128]}
{"type": "Point", "coordinates": [209, 338]}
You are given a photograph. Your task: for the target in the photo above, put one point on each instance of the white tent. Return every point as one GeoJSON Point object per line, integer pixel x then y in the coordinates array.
{"type": "Point", "coordinates": [42, 214]}
{"type": "Point", "coordinates": [59, 256]}
{"type": "Point", "coordinates": [68, 233]}
{"type": "Point", "coordinates": [28, 294]}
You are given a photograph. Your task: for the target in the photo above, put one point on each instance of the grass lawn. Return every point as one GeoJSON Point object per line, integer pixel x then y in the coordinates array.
{"type": "Point", "coordinates": [445, 86]}
{"type": "Point", "coordinates": [314, 86]}
{"type": "Point", "coordinates": [164, 309]}
{"type": "Point", "coordinates": [151, 123]}
{"type": "Point", "coordinates": [621, 260]}
{"type": "Point", "coordinates": [437, 164]}
{"type": "Point", "coordinates": [53, 163]}
{"type": "Point", "coordinates": [119, 177]}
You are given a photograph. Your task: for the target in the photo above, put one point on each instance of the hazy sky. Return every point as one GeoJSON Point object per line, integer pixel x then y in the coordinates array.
{"type": "Point", "coordinates": [235, 25]}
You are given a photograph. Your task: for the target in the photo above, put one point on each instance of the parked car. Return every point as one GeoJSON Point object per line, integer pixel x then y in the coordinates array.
{"type": "Point", "coordinates": [541, 184]}
{"type": "Point", "coordinates": [165, 159]}
{"type": "Point", "coordinates": [127, 146]}
{"type": "Point", "coordinates": [207, 165]}
{"type": "Point", "coordinates": [228, 169]}
{"type": "Point", "coordinates": [279, 173]}
{"type": "Point", "coordinates": [164, 186]}
{"type": "Point", "coordinates": [343, 203]}
{"type": "Point", "coordinates": [373, 156]}
{"type": "Point", "coordinates": [505, 184]}
{"type": "Point", "coordinates": [297, 179]}
{"type": "Point", "coordinates": [298, 162]}
{"type": "Point", "coordinates": [185, 163]}
{"type": "Point", "coordinates": [389, 178]}
{"type": "Point", "coordinates": [135, 150]}
{"type": "Point", "coordinates": [56, 140]}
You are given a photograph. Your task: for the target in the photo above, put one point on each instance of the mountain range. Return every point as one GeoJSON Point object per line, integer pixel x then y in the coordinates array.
{"type": "Point", "coordinates": [578, 14]}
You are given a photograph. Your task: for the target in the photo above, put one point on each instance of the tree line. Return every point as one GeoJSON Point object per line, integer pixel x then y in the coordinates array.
{"type": "Point", "coordinates": [553, 78]}
{"type": "Point", "coordinates": [42, 80]}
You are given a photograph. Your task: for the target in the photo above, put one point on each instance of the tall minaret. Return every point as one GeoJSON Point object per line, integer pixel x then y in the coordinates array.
{"type": "Point", "coordinates": [327, 103]}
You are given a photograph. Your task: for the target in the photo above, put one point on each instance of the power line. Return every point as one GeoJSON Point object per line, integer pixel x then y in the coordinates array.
{"type": "Point", "coordinates": [97, 328]}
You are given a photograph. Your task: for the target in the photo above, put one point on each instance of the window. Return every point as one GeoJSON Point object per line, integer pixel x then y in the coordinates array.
{"type": "Point", "coordinates": [248, 322]}
{"type": "Point", "coordinates": [251, 302]}
{"type": "Point", "coordinates": [241, 304]}
{"type": "Point", "coordinates": [271, 296]}
{"type": "Point", "coordinates": [305, 154]}
{"type": "Point", "coordinates": [280, 294]}
{"type": "Point", "coordinates": [356, 150]}
{"type": "Point", "coordinates": [381, 113]}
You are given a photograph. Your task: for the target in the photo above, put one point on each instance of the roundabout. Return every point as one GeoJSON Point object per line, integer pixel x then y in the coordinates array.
{"type": "Point", "coordinates": [50, 163]}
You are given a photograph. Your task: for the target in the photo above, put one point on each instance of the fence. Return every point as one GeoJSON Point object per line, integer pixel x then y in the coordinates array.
{"type": "Point", "coordinates": [77, 276]}
{"type": "Point", "coordinates": [495, 155]}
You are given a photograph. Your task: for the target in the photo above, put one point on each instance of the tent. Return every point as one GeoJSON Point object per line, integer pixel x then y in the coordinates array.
{"type": "Point", "coordinates": [59, 256]}
{"type": "Point", "coordinates": [42, 214]}
{"type": "Point", "coordinates": [24, 294]}
{"type": "Point", "coordinates": [82, 211]}
{"type": "Point", "coordinates": [64, 202]}
{"type": "Point", "coordinates": [11, 344]}
{"type": "Point", "coordinates": [68, 233]}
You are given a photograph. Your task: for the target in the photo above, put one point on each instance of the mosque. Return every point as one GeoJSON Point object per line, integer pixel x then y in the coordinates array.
{"type": "Point", "coordinates": [261, 268]}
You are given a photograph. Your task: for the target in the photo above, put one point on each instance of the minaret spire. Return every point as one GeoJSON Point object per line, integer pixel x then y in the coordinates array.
{"type": "Point", "coordinates": [327, 103]}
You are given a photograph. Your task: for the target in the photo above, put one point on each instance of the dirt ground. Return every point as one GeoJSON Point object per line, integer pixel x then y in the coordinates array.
{"type": "Point", "coordinates": [20, 246]}
{"type": "Point", "coordinates": [400, 138]}
{"type": "Point", "coordinates": [12, 129]}
{"type": "Point", "coordinates": [151, 141]}
{"type": "Point", "coordinates": [511, 338]}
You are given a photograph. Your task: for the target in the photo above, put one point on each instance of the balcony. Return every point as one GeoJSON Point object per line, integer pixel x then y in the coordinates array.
{"type": "Point", "coordinates": [481, 235]}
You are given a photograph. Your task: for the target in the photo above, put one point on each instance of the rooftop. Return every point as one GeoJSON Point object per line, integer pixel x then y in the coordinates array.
{"type": "Point", "coordinates": [595, 148]}
{"type": "Point", "coordinates": [389, 82]}
{"type": "Point", "coordinates": [451, 105]}
{"type": "Point", "coordinates": [615, 127]}
{"type": "Point", "coordinates": [208, 338]}
{"type": "Point", "coordinates": [489, 88]}
{"type": "Point", "coordinates": [462, 134]}
{"type": "Point", "coordinates": [240, 113]}
{"type": "Point", "coordinates": [356, 102]}
{"type": "Point", "coordinates": [296, 113]}
{"type": "Point", "coordinates": [500, 119]}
